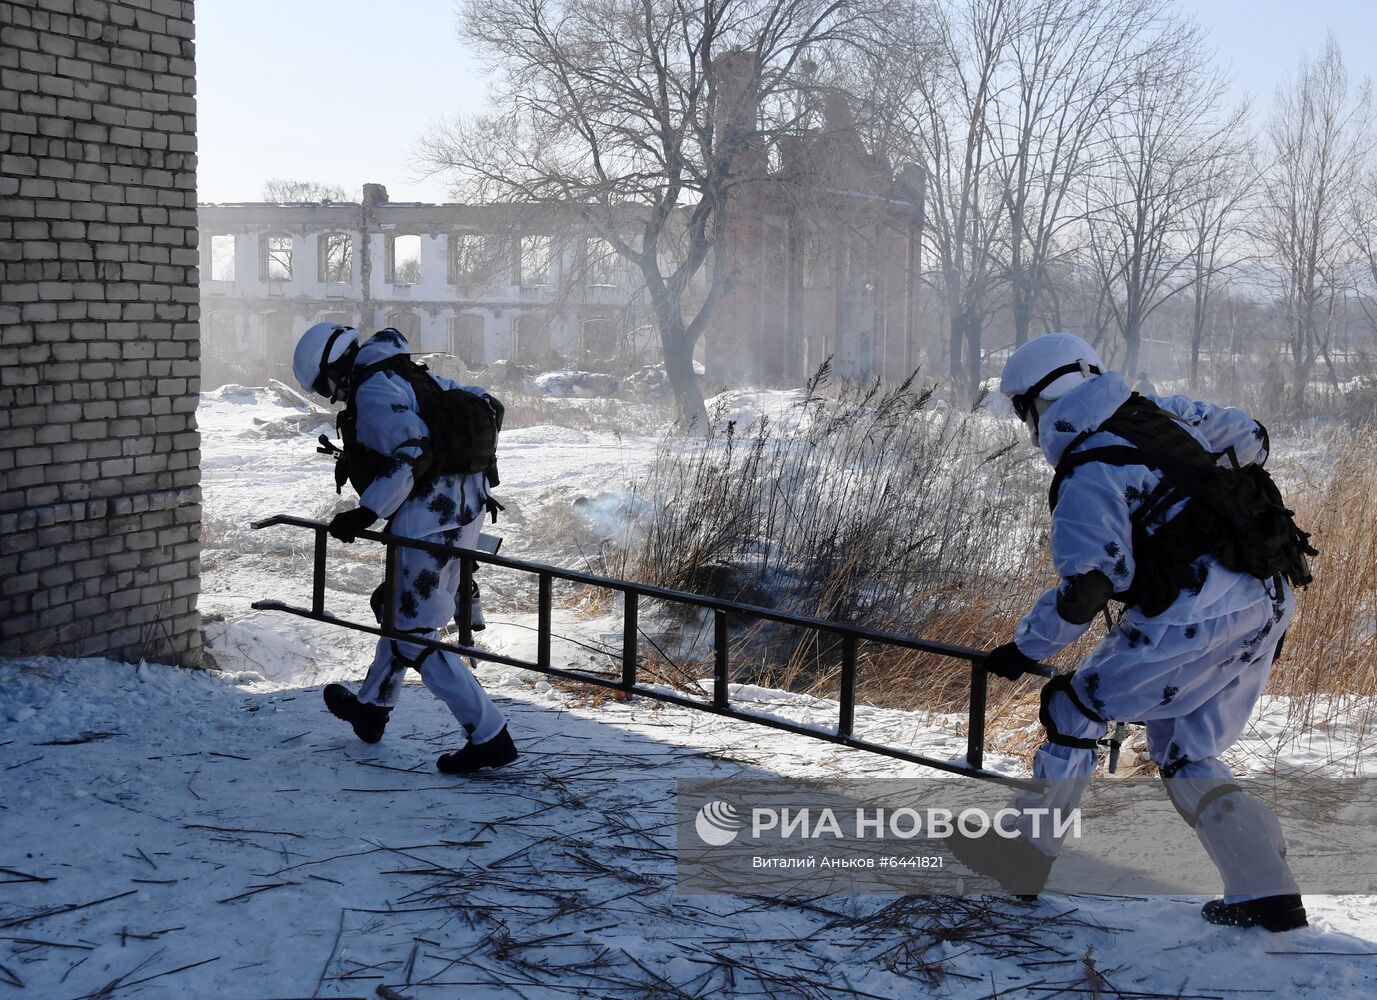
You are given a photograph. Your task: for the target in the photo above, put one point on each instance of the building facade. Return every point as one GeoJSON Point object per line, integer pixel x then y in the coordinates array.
{"type": "Point", "coordinates": [480, 282]}
{"type": "Point", "coordinates": [824, 241]}
{"type": "Point", "coordinates": [823, 249]}
{"type": "Point", "coordinates": [99, 342]}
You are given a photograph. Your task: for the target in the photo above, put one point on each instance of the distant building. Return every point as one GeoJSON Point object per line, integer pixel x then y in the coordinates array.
{"type": "Point", "coordinates": [480, 282]}
{"type": "Point", "coordinates": [825, 244]}
{"type": "Point", "coordinates": [824, 249]}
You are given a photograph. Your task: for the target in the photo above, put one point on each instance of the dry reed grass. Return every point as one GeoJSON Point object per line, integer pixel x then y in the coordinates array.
{"type": "Point", "coordinates": [859, 503]}
{"type": "Point", "coordinates": [884, 508]}
{"type": "Point", "coordinates": [1328, 667]}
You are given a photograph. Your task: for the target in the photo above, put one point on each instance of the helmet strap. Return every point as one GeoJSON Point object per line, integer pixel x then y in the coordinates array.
{"type": "Point", "coordinates": [1024, 401]}
{"type": "Point", "coordinates": [328, 382]}
{"type": "Point", "coordinates": [339, 372]}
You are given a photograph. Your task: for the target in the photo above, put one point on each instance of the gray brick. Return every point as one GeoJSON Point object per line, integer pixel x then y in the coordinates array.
{"type": "Point", "coordinates": [21, 583]}
{"type": "Point", "coordinates": [77, 68]}
{"type": "Point", "coordinates": [53, 434]}
{"type": "Point", "coordinates": [33, 187]}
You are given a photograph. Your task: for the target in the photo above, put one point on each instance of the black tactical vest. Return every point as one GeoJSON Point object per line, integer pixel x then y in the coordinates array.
{"type": "Point", "coordinates": [1235, 514]}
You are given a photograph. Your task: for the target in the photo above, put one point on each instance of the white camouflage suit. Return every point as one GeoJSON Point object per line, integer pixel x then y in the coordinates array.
{"type": "Point", "coordinates": [449, 511]}
{"type": "Point", "coordinates": [1193, 673]}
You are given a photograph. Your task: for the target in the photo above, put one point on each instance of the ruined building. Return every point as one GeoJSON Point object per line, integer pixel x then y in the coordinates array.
{"type": "Point", "coordinates": [99, 343]}
{"type": "Point", "coordinates": [824, 249]}
{"type": "Point", "coordinates": [482, 283]}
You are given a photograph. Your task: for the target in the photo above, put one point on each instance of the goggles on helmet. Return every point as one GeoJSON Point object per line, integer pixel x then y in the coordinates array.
{"type": "Point", "coordinates": [326, 375]}
{"type": "Point", "coordinates": [1024, 401]}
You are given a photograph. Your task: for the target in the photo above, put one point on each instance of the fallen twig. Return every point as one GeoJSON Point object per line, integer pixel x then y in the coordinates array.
{"type": "Point", "coordinates": [89, 737]}
{"type": "Point", "coordinates": [333, 948]}
{"type": "Point", "coordinates": [232, 829]}
{"type": "Point", "coordinates": [24, 876]}
{"type": "Point", "coordinates": [57, 910]}
{"type": "Point", "coordinates": [117, 985]}
{"type": "Point", "coordinates": [254, 891]}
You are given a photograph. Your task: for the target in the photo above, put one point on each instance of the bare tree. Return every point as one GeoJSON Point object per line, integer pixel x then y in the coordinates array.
{"type": "Point", "coordinates": [1214, 223]}
{"type": "Point", "coordinates": [1165, 133]}
{"type": "Point", "coordinates": [645, 116]}
{"type": "Point", "coordinates": [952, 69]}
{"type": "Point", "coordinates": [1318, 137]}
{"type": "Point", "coordinates": [1068, 62]}
{"type": "Point", "coordinates": [281, 191]}
{"type": "Point", "coordinates": [1363, 212]}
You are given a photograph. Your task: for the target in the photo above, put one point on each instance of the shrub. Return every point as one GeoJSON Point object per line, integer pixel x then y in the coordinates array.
{"type": "Point", "coordinates": [886, 508]}
{"type": "Point", "coordinates": [856, 502]}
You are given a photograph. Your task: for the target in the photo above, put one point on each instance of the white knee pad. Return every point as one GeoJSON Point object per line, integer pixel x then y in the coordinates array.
{"type": "Point", "coordinates": [1193, 785]}
{"type": "Point", "coordinates": [1065, 762]}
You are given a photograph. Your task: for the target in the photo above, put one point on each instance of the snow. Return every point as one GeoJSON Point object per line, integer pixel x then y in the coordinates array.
{"type": "Point", "coordinates": [586, 385]}
{"type": "Point", "coordinates": [253, 833]}
{"type": "Point", "coordinates": [223, 835]}
{"type": "Point", "coordinates": [745, 407]}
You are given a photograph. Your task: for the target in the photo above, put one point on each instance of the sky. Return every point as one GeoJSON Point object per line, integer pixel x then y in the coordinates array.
{"type": "Point", "coordinates": [328, 90]}
{"type": "Point", "coordinates": [339, 90]}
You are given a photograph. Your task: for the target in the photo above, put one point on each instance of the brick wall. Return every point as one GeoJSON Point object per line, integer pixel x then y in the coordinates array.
{"type": "Point", "coordinates": [99, 338]}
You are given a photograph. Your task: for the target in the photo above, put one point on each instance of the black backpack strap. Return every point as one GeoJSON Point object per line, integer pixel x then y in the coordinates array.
{"type": "Point", "coordinates": [399, 363]}
{"type": "Point", "coordinates": [1156, 438]}
{"type": "Point", "coordinates": [423, 464]}
{"type": "Point", "coordinates": [1161, 435]}
{"type": "Point", "coordinates": [1112, 454]}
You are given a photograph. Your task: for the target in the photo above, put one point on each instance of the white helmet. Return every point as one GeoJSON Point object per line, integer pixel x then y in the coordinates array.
{"type": "Point", "coordinates": [1047, 367]}
{"type": "Point", "coordinates": [315, 362]}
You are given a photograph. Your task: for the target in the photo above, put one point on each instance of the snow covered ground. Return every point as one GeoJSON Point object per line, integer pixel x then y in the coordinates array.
{"type": "Point", "coordinates": [169, 833]}
{"type": "Point", "coordinates": [229, 821]}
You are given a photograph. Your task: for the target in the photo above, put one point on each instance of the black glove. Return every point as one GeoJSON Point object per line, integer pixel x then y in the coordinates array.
{"type": "Point", "coordinates": [1008, 661]}
{"type": "Point", "coordinates": [348, 523]}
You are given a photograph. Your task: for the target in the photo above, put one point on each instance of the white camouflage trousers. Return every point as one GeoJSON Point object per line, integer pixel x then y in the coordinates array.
{"type": "Point", "coordinates": [424, 594]}
{"type": "Point", "coordinates": [1194, 686]}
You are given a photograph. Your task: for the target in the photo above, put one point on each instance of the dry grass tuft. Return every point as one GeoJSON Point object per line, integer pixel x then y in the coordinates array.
{"type": "Point", "coordinates": [886, 508]}
{"type": "Point", "coordinates": [1329, 664]}
{"type": "Point", "coordinates": [859, 503]}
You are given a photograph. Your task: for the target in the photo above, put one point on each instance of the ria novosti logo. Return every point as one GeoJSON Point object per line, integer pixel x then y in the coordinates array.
{"type": "Point", "coordinates": [718, 823]}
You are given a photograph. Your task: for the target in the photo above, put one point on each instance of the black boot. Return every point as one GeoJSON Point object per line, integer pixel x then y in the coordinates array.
{"type": "Point", "coordinates": [368, 721]}
{"type": "Point", "coordinates": [1275, 913]}
{"type": "Point", "coordinates": [496, 752]}
{"type": "Point", "coordinates": [1019, 867]}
